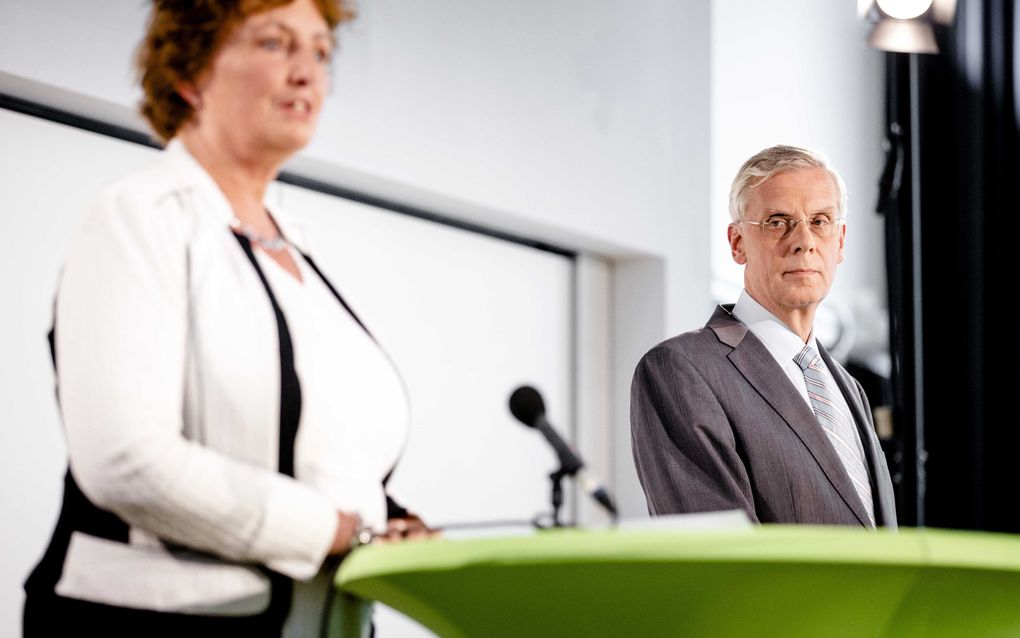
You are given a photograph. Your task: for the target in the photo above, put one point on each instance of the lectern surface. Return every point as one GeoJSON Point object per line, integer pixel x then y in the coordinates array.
{"type": "Point", "coordinates": [765, 581]}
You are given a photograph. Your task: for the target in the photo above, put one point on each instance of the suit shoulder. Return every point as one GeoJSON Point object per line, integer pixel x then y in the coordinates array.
{"type": "Point", "coordinates": [695, 348]}
{"type": "Point", "coordinates": [142, 188]}
{"type": "Point", "coordinates": [689, 343]}
{"type": "Point", "coordinates": [152, 198]}
{"type": "Point", "coordinates": [146, 208]}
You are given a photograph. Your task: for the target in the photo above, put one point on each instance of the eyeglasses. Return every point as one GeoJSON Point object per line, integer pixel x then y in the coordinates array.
{"type": "Point", "coordinates": [781, 226]}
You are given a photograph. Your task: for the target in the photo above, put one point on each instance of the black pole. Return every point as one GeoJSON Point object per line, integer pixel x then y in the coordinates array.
{"type": "Point", "coordinates": [920, 454]}
{"type": "Point", "coordinates": [557, 495]}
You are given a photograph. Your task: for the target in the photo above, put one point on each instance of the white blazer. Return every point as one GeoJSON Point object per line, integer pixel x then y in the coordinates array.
{"type": "Point", "coordinates": [169, 377]}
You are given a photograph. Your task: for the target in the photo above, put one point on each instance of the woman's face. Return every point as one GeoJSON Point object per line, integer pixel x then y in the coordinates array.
{"type": "Point", "coordinates": [263, 91]}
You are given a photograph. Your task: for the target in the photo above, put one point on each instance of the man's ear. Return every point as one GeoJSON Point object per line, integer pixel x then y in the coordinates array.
{"type": "Point", "coordinates": [736, 239]}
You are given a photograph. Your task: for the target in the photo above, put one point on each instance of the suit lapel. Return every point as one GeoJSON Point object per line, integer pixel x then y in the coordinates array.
{"type": "Point", "coordinates": [755, 363]}
{"type": "Point", "coordinates": [884, 508]}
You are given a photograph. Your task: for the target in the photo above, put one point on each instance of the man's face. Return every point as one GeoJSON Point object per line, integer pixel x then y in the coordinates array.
{"type": "Point", "coordinates": [795, 273]}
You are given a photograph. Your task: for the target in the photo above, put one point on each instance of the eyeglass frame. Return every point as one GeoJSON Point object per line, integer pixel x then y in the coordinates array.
{"type": "Point", "coordinates": [791, 225]}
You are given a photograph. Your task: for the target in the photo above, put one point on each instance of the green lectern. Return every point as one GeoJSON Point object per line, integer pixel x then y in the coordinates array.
{"type": "Point", "coordinates": [763, 581]}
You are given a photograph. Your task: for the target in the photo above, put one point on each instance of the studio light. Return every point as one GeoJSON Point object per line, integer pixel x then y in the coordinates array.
{"type": "Point", "coordinates": [903, 36]}
{"type": "Point", "coordinates": [904, 9]}
{"type": "Point", "coordinates": [905, 26]}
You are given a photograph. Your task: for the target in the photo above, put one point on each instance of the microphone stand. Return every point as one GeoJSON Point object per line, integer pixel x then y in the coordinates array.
{"type": "Point", "coordinates": [568, 467]}
{"type": "Point", "coordinates": [557, 494]}
{"type": "Point", "coordinates": [527, 407]}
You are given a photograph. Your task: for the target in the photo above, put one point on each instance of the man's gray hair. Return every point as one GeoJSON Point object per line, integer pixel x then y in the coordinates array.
{"type": "Point", "coordinates": [772, 161]}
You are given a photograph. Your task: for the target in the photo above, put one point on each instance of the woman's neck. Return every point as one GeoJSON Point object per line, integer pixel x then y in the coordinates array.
{"type": "Point", "coordinates": [242, 177]}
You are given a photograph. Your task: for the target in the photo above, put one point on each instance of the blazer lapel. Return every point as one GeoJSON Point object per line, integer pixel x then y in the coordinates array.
{"type": "Point", "coordinates": [756, 364]}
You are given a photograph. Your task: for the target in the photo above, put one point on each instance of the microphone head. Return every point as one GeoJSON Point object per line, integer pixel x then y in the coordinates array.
{"type": "Point", "coordinates": [526, 405]}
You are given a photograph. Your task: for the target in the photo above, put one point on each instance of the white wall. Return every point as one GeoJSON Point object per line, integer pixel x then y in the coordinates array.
{"type": "Point", "coordinates": [580, 121]}
{"type": "Point", "coordinates": [798, 72]}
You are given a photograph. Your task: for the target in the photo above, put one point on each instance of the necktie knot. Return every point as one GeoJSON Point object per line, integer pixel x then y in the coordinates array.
{"type": "Point", "coordinates": [807, 358]}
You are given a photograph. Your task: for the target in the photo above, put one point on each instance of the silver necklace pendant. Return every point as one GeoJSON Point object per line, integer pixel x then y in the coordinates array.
{"type": "Point", "coordinates": [271, 244]}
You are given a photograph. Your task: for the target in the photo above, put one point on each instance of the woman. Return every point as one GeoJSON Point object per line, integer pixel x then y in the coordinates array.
{"type": "Point", "coordinates": [229, 421]}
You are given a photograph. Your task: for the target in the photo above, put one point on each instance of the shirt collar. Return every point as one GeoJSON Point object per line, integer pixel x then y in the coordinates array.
{"type": "Point", "coordinates": [783, 343]}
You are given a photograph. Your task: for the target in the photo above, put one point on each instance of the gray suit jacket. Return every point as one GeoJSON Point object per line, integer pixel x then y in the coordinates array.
{"type": "Point", "coordinates": [716, 424]}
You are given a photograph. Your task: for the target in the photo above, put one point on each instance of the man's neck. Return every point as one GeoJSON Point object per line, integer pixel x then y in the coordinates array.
{"type": "Point", "coordinates": [800, 320]}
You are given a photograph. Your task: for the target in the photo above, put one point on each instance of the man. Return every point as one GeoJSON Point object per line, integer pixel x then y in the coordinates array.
{"type": "Point", "coordinates": [750, 412]}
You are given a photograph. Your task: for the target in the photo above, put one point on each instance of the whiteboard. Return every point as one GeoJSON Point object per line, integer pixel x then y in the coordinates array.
{"type": "Point", "coordinates": [467, 317]}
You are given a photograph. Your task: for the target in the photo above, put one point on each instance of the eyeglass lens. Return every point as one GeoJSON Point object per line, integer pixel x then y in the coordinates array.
{"type": "Point", "coordinates": [783, 227]}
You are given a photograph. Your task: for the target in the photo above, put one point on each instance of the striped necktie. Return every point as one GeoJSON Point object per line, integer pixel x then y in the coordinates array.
{"type": "Point", "coordinates": [838, 427]}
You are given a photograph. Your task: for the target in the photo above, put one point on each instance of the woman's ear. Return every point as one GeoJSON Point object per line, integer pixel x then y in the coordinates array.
{"type": "Point", "coordinates": [189, 93]}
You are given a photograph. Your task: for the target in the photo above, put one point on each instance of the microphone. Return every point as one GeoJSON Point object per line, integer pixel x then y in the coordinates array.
{"type": "Point", "coordinates": [527, 406]}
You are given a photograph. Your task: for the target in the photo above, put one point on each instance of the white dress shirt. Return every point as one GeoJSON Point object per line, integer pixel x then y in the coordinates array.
{"type": "Point", "coordinates": [353, 407]}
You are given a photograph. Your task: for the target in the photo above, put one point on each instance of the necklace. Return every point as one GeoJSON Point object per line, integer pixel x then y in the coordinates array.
{"type": "Point", "coordinates": [267, 243]}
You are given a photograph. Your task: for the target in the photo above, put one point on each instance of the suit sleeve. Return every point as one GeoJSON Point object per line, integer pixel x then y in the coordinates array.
{"type": "Point", "coordinates": [684, 448]}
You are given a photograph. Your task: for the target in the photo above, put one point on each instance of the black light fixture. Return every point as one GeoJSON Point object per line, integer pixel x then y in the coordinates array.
{"type": "Point", "coordinates": [905, 26]}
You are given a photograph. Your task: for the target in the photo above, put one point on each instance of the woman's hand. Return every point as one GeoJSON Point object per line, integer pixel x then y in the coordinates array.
{"type": "Point", "coordinates": [347, 528]}
{"type": "Point", "coordinates": [409, 527]}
